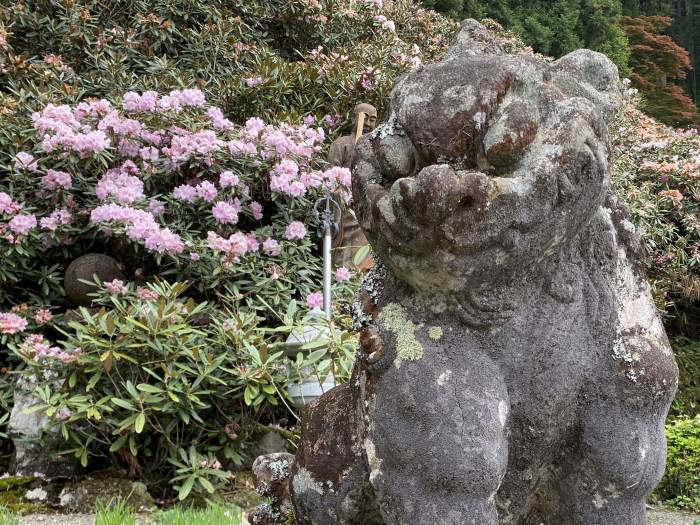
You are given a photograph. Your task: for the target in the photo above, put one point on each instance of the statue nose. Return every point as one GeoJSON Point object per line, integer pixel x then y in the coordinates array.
{"type": "Point", "coordinates": [439, 192]}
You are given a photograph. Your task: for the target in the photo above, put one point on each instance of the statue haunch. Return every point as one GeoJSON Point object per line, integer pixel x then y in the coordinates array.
{"type": "Point", "coordinates": [513, 369]}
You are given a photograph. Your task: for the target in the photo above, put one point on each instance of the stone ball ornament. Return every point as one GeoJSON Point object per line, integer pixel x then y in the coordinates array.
{"type": "Point", "coordinates": [512, 366]}
{"type": "Point", "coordinates": [84, 268]}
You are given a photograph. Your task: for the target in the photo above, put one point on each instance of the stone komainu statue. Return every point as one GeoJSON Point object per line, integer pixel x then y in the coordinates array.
{"type": "Point", "coordinates": [513, 369]}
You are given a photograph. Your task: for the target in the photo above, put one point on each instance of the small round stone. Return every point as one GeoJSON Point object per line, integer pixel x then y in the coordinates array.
{"type": "Point", "coordinates": [84, 268]}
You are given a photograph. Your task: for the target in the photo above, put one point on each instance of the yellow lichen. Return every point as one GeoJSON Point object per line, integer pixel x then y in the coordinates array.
{"type": "Point", "coordinates": [435, 333]}
{"type": "Point", "coordinates": [393, 318]}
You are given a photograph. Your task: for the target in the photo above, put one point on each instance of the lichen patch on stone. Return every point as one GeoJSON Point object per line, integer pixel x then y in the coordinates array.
{"type": "Point", "coordinates": [394, 319]}
{"type": "Point", "coordinates": [435, 333]}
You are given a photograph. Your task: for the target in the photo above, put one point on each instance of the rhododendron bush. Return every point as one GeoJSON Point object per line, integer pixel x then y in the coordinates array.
{"type": "Point", "coordinates": [172, 188]}
{"type": "Point", "coordinates": [185, 140]}
{"type": "Point", "coordinates": [657, 170]}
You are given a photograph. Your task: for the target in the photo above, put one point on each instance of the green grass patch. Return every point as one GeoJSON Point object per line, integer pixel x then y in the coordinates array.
{"type": "Point", "coordinates": [7, 517]}
{"type": "Point", "coordinates": [117, 512]}
{"type": "Point", "coordinates": [212, 515]}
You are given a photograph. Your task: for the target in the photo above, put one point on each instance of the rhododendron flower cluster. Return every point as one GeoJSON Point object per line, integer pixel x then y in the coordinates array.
{"type": "Point", "coordinates": [7, 205]}
{"type": "Point", "coordinates": [57, 218]}
{"type": "Point", "coordinates": [314, 300]}
{"type": "Point", "coordinates": [140, 226]}
{"type": "Point", "coordinates": [43, 316]}
{"type": "Point", "coordinates": [146, 294]}
{"type": "Point", "coordinates": [35, 347]}
{"type": "Point", "coordinates": [116, 287]}
{"type": "Point", "coordinates": [26, 161]}
{"type": "Point", "coordinates": [11, 323]}
{"type": "Point", "coordinates": [295, 231]}
{"type": "Point", "coordinates": [170, 180]}
{"type": "Point", "coordinates": [657, 169]}
{"type": "Point", "coordinates": [342, 274]}
{"type": "Point", "coordinates": [120, 185]}
{"type": "Point", "coordinates": [56, 179]}
{"type": "Point", "coordinates": [22, 224]}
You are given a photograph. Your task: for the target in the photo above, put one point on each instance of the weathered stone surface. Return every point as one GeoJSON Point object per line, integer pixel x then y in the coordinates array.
{"type": "Point", "coordinates": [83, 268]}
{"type": "Point", "coordinates": [82, 495]}
{"type": "Point", "coordinates": [271, 477]}
{"type": "Point", "coordinates": [263, 444]}
{"type": "Point", "coordinates": [34, 438]}
{"type": "Point", "coordinates": [513, 368]}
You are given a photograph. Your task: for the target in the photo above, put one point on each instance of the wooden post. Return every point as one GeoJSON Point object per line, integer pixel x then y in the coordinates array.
{"type": "Point", "coordinates": [360, 125]}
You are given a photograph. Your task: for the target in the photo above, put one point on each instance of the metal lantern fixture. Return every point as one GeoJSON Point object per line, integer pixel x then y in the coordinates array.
{"type": "Point", "coordinates": [327, 213]}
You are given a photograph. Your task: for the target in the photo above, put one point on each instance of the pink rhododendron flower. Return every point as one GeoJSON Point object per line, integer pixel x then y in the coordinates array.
{"type": "Point", "coordinates": [22, 224]}
{"type": "Point", "coordinates": [146, 294]}
{"type": "Point", "coordinates": [7, 205]}
{"type": "Point", "coordinates": [63, 415]}
{"type": "Point", "coordinates": [163, 240]}
{"type": "Point", "coordinates": [253, 81]}
{"type": "Point", "coordinates": [43, 316]}
{"type": "Point", "coordinates": [141, 226]}
{"type": "Point", "coordinates": [156, 207]}
{"type": "Point", "coordinates": [57, 179]}
{"type": "Point", "coordinates": [271, 247]}
{"type": "Point", "coordinates": [253, 242]}
{"type": "Point", "coordinates": [116, 183]}
{"type": "Point", "coordinates": [185, 192]}
{"type": "Point", "coordinates": [238, 148]}
{"type": "Point", "coordinates": [134, 102]}
{"type": "Point", "coordinates": [56, 219]}
{"type": "Point", "coordinates": [254, 126]}
{"type": "Point", "coordinates": [185, 146]}
{"type": "Point", "coordinates": [314, 300]}
{"type": "Point", "coordinates": [228, 179]}
{"type": "Point", "coordinates": [238, 244]}
{"type": "Point", "coordinates": [189, 97]}
{"type": "Point", "coordinates": [11, 323]}
{"type": "Point", "coordinates": [225, 212]}
{"type": "Point", "coordinates": [207, 191]}
{"type": "Point", "coordinates": [26, 161]}
{"type": "Point", "coordinates": [342, 274]}
{"type": "Point", "coordinates": [338, 176]}
{"type": "Point", "coordinates": [35, 347]}
{"type": "Point", "coordinates": [218, 120]}
{"type": "Point", "coordinates": [149, 153]}
{"type": "Point", "coordinates": [194, 256]}
{"type": "Point", "coordinates": [256, 210]}
{"type": "Point", "coordinates": [295, 231]}
{"type": "Point", "coordinates": [90, 142]}
{"type": "Point", "coordinates": [217, 243]}
{"type": "Point", "coordinates": [309, 120]}
{"type": "Point", "coordinates": [115, 287]}
{"type": "Point", "coordinates": [178, 99]}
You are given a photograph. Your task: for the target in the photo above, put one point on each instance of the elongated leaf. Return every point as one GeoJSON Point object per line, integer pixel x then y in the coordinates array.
{"type": "Point", "coordinates": [186, 488]}
{"type": "Point", "coordinates": [140, 423]}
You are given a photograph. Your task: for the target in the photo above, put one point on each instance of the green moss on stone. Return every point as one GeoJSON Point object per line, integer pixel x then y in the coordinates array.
{"type": "Point", "coordinates": [12, 491]}
{"type": "Point", "coordinates": [435, 333]}
{"type": "Point", "coordinates": [394, 319]}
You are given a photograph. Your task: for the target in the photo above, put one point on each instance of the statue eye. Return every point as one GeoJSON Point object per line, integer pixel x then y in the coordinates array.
{"type": "Point", "coordinates": [511, 134]}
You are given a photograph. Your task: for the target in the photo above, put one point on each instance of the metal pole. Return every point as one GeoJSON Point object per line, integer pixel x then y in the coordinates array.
{"type": "Point", "coordinates": [327, 271]}
{"type": "Point", "coordinates": [325, 210]}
